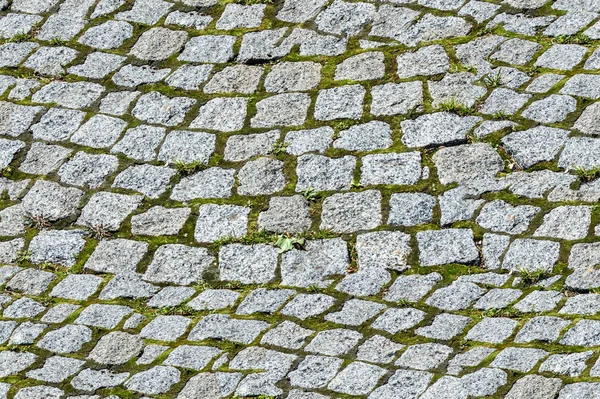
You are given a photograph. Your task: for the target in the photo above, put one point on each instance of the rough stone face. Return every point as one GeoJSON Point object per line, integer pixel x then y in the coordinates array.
{"type": "Point", "coordinates": [351, 212]}
{"type": "Point", "coordinates": [116, 348]}
{"type": "Point", "coordinates": [436, 129]}
{"type": "Point", "coordinates": [247, 263]}
{"type": "Point", "coordinates": [438, 247]}
{"type": "Point", "coordinates": [178, 264]}
{"type": "Point", "coordinates": [344, 102]}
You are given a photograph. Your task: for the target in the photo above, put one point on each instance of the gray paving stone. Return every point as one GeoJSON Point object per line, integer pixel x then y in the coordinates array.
{"type": "Point", "coordinates": [569, 364]}
{"type": "Point", "coordinates": [23, 308]}
{"type": "Point", "coordinates": [158, 221]}
{"type": "Point", "coordinates": [304, 306]}
{"type": "Point", "coordinates": [293, 76]}
{"type": "Point", "coordinates": [539, 301]}
{"type": "Point", "coordinates": [192, 357]}
{"type": "Point", "coordinates": [224, 327]}
{"type": "Point", "coordinates": [534, 387]}
{"type": "Point", "coordinates": [444, 327]}
{"type": "Point", "coordinates": [116, 256]}
{"type": "Point", "coordinates": [67, 339]}
{"type": "Point", "coordinates": [333, 342]}
{"type": "Point", "coordinates": [529, 254]}
{"type": "Point", "coordinates": [109, 35]}
{"type": "Point", "coordinates": [322, 173]}
{"type": "Point", "coordinates": [403, 383]}
{"type": "Point", "coordinates": [438, 247]}
{"type": "Point", "coordinates": [426, 61]}
{"type": "Point", "coordinates": [394, 320]}
{"type": "Point", "coordinates": [315, 371]}
{"type": "Point", "coordinates": [214, 299]}
{"type": "Point", "coordinates": [411, 209]}
{"type": "Point", "coordinates": [92, 380]}
{"type": "Point", "coordinates": [208, 48]}
{"type": "Point", "coordinates": [345, 213]}
{"type": "Point", "coordinates": [150, 180]}
{"type": "Point", "coordinates": [344, 102]}
{"type": "Point", "coordinates": [171, 296]}
{"type": "Point", "coordinates": [158, 44]}
{"type": "Point", "coordinates": [108, 210]}
{"type": "Point", "coordinates": [262, 300]}
{"type": "Point", "coordinates": [518, 359]}
{"type": "Point", "coordinates": [566, 222]}
{"type": "Point", "coordinates": [412, 287]}
{"type": "Point", "coordinates": [383, 250]}
{"type": "Point", "coordinates": [396, 98]}
{"type": "Point", "coordinates": [288, 109]}
{"type": "Point", "coordinates": [104, 316]}
{"type": "Point", "coordinates": [424, 356]}
{"type": "Point", "coordinates": [378, 349]}
{"type": "Point", "coordinates": [456, 296]}
{"type": "Point", "coordinates": [157, 380]}
{"type": "Point", "coordinates": [437, 129]}
{"type": "Point", "coordinates": [116, 348]}
{"type": "Point", "coordinates": [56, 369]}
{"type": "Point", "coordinates": [77, 287]}
{"type": "Point", "coordinates": [287, 335]}
{"type": "Point", "coordinates": [156, 108]}
{"type": "Point", "coordinates": [357, 379]}
{"type": "Point", "coordinates": [356, 311]}
{"type": "Point", "coordinates": [492, 330]}
{"type": "Point", "coordinates": [178, 264]}
{"type": "Point", "coordinates": [209, 183]}
{"type": "Point", "coordinates": [247, 263]}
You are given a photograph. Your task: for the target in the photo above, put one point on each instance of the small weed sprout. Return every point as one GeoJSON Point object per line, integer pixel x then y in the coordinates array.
{"type": "Point", "coordinates": [454, 106]}
{"type": "Point", "coordinates": [187, 168]}
{"type": "Point", "coordinates": [310, 194]}
{"type": "Point", "coordinates": [492, 80]}
{"type": "Point", "coordinates": [356, 184]}
{"type": "Point", "coordinates": [280, 148]}
{"type": "Point", "coordinates": [98, 232]}
{"type": "Point", "coordinates": [587, 175]}
{"type": "Point", "coordinates": [531, 277]}
{"type": "Point", "coordinates": [23, 256]}
{"type": "Point", "coordinates": [37, 222]}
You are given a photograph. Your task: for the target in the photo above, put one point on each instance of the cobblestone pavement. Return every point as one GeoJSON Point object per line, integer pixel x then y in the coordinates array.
{"type": "Point", "coordinates": [300, 199]}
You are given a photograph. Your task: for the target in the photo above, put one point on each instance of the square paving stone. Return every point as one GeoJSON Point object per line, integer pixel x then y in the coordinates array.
{"type": "Point", "coordinates": [262, 300]}
{"type": "Point", "coordinates": [104, 316]}
{"type": "Point", "coordinates": [497, 298]}
{"type": "Point", "coordinates": [531, 255]}
{"type": "Point", "coordinates": [444, 327]}
{"type": "Point", "coordinates": [57, 246]}
{"type": "Point", "coordinates": [220, 326]}
{"type": "Point", "coordinates": [67, 339]}
{"type": "Point", "coordinates": [424, 356]}
{"type": "Point", "coordinates": [150, 180]}
{"type": "Point", "coordinates": [384, 249]}
{"type": "Point", "coordinates": [214, 299]}
{"type": "Point", "coordinates": [235, 79]}
{"type": "Point", "coordinates": [334, 342]}
{"type": "Point", "coordinates": [539, 301]}
{"type": "Point", "coordinates": [192, 357]}
{"type": "Point", "coordinates": [56, 369]}
{"type": "Point", "coordinates": [116, 256]}
{"type": "Point", "coordinates": [23, 308]}
{"type": "Point", "coordinates": [315, 371]}
{"type": "Point", "coordinates": [346, 213]}
{"type": "Point", "coordinates": [378, 349]}
{"type": "Point", "coordinates": [100, 131]}
{"type": "Point", "coordinates": [219, 221]}
{"type": "Point", "coordinates": [411, 209]}
{"type": "Point", "coordinates": [245, 146]}
{"type": "Point", "coordinates": [456, 296]}
{"type": "Point", "coordinates": [357, 379]}
{"type": "Point", "coordinates": [311, 140]}
{"type": "Point", "coordinates": [146, 12]}
{"type": "Point", "coordinates": [26, 333]}
{"type": "Point", "coordinates": [262, 176]}
{"type": "Point", "coordinates": [492, 330]}
{"type": "Point", "coordinates": [571, 365]}
{"type": "Point", "coordinates": [288, 109]}
{"type": "Point", "coordinates": [208, 183]}
{"type": "Point", "coordinates": [208, 48]}
{"type": "Point", "coordinates": [535, 387]}
{"type": "Point", "coordinates": [89, 170]}
{"type": "Point", "coordinates": [165, 328]}
{"type": "Point", "coordinates": [412, 287]}
{"type": "Point", "coordinates": [304, 306]}
{"type": "Point", "coordinates": [158, 221]}
{"type": "Point", "coordinates": [436, 129]}
{"type": "Point", "coordinates": [248, 264]}
{"type": "Point", "coordinates": [316, 264]}
{"type": "Point", "coordinates": [322, 173]}
{"type": "Point", "coordinates": [439, 247]}
{"type": "Point", "coordinates": [293, 76]}
{"type": "Point", "coordinates": [77, 286]}
{"type": "Point", "coordinates": [518, 359]}
{"type": "Point", "coordinates": [178, 264]}
{"type": "Point", "coordinates": [30, 281]}
{"type": "Point", "coordinates": [57, 124]}
{"type": "Point", "coordinates": [287, 335]}
{"type": "Point", "coordinates": [394, 320]}
{"type": "Point", "coordinates": [109, 35]}
{"type": "Point", "coordinates": [222, 114]}
{"type": "Point", "coordinates": [156, 108]}
{"type": "Point", "coordinates": [171, 296]}
{"type": "Point", "coordinates": [403, 384]}
{"type": "Point", "coordinates": [140, 142]}
{"type": "Point", "coordinates": [44, 158]}
{"type": "Point", "coordinates": [355, 312]}
{"type": "Point", "coordinates": [345, 102]}
{"type": "Point", "coordinates": [566, 222]}
{"type": "Point", "coordinates": [158, 44]}
{"type": "Point", "coordinates": [286, 215]}
{"type": "Point", "coordinates": [391, 168]}
{"type": "Point", "coordinates": [51, 201]}
{"type": "Point", "coordinates": [108, 210]}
